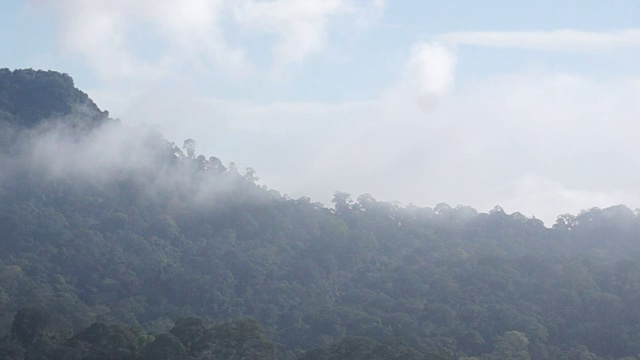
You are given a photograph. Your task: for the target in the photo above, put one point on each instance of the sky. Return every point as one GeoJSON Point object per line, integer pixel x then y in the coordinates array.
{"type": "Point", "coordinates": [533, 106]}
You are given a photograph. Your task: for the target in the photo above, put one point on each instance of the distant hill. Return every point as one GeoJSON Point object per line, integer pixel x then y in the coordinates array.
{"type": "Point", "coordinates": [28, 97]}
{"type": "Point", "coordinates": [117, 244]}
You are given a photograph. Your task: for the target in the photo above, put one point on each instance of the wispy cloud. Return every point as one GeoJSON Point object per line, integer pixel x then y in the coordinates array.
{"type": "Point", "coordinates": [301, 27]}
{"type": "Point", "coordinates": [557, 40]}
{"type": "Point", "coordinates": [540, 195]}
{"type": "Point", "coordinates": [201, 35]}
{"type": "Point", "coordinates": [100, 34]}
{"type": "Point", "coordinates": [539, 142]}
{"type": "Point", "coordinates": [508, 139]}
{"type": "Point", "coordinates": [431, 69]}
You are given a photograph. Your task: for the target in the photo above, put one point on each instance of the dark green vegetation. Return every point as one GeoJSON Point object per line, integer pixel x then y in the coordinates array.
{"type": "Point", "coordinates": [164, 255]}
{"type": "Point", "coordinates": [27, 97]}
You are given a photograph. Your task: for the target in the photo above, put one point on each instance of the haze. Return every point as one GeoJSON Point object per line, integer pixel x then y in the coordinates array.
{"type": "Point", "coordinates": [531, 107]}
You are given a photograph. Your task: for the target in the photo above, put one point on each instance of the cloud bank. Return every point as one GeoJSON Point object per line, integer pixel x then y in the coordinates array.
{"type": "Point", "coordinates": [430, 70]}
{"type": "Point", "coordinates": [542, 142]}
{"type": "Point", "coordinates": [535, 141]}
{"type": "Point", "coordinates": [196, 33]}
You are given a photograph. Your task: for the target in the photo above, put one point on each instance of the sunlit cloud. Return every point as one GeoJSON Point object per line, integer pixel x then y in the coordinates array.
{"type": "Point", "coordinates": [196, 34]}
{"type": "Point", "coordinates": [431, 69]}
{"type": "Point", "coordinates": [100, 32]}
{"type": "Point", "coordinates": [299, 26]}
{"type": "Point", "coordinates": [541, 141]}
{"type": "Point", "coordinates": [538, 142]}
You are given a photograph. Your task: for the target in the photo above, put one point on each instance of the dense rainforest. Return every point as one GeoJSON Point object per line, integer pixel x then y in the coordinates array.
{"type": "Point", "coordinates": [118, 244]}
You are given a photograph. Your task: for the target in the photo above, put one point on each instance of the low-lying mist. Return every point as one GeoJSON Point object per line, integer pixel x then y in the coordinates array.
{"type": "Point", "coordinates": [67, 150]}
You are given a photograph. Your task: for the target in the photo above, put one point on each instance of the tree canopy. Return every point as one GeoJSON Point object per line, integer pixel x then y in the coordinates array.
{"type": "Point", "coordinates": [166, 255]}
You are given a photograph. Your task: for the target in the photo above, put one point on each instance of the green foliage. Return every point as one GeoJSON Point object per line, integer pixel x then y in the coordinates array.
{"type": "Point", "coordinates": [356, 348]}
{"type": "Point", "coordinates": [513, 345]}
{"type": "Point", "coordinates": [236, 340]}
{"type": "Point", "coordinates": [28, 324]}
{"type": "Point", "coordinates": [184, 242]}
{"type": "Point", "coordinates": [165, 346]}
{"type": "Point", "coordinates": [28, 96]}
{"type": "Point", "coordinates": [102, 342]}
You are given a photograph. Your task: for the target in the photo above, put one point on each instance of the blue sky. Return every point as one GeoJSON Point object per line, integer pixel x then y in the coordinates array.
{"type": "Point", "coordinates": [528, 105]}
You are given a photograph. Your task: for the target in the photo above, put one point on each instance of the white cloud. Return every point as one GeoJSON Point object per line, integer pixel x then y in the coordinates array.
{"type": "Point", "coordinates": [301, 27]}
{"type": "Point", "coordinates": [557, 40]}
{"type": "Point", "coordinates": [96, 31]}
{"type": "Point", "coordinates": [195, 34]}
{"type": "Point", "coordinates": [537, 142]}
{"type": "Point", "coordinates": [100, 32]}
{"type": "Point", "coordinates": [194, 27]}
{"type": "Point", "coordinates": [431, 69]}
{"type": "Point", "coordinates": [549, 198]}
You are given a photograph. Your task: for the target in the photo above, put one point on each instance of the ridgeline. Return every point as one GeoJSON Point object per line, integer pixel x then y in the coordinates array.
{"type": "Point", "coordinates": [113, 248]}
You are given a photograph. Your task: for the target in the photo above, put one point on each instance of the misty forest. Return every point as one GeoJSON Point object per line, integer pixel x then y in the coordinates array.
{"type": "Point", "coordinates": [118, 244]}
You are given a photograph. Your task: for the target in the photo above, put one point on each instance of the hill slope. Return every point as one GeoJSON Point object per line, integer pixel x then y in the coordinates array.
{"type": "Point", "coordinates": [118, 226]}
{"type": "Point", "coordinates": [29, 96]}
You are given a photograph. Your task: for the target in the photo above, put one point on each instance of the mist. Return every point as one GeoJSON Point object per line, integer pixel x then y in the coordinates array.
{"type": "Point", "coordinates": [536, 142]}
{"type": "Point", "coordinates": [319, 179]}
{"type": "Point", "coordinates": [539, 119]}
{"type": "Point", "coordinates": [80, 155]}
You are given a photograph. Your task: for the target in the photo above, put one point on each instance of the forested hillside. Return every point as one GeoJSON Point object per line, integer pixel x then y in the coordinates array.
{"type": "Point", "coordinates": [117, 244]}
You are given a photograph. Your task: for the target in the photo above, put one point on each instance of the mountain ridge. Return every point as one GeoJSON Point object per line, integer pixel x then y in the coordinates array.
{"type": "Point", "coordinates": [29, 97]}
{"type": "Point", "coordinates": [120, 237]}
